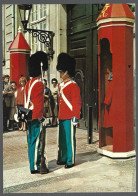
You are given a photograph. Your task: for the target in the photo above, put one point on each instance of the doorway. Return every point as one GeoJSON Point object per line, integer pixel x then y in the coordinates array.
{"type": "Point", "coordinates": [106, 94]}
{"type": "Point", "coordinates": [82, 44]}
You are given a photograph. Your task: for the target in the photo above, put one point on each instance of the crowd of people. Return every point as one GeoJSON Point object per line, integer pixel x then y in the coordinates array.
{"type": "Point", "coordinates": [13, 97]}
{"type": "Point", "coordinates": [59, 106]}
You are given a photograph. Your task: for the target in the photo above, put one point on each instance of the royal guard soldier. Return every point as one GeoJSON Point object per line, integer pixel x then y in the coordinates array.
{"type": "Point", "coordinates": [107, 128]}
{"type": "Point", "coordinates": [69, 110]}
{"type": "Point", "coordinates": [108, 116]}
{"type": "Point", "coordinates": [38, 63]}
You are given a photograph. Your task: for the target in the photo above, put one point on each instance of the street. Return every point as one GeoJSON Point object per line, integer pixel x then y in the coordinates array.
{"type": "Point", "coordinates": [92, 172]}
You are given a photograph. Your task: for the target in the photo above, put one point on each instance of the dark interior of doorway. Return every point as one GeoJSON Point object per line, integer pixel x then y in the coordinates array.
{"type": "Point", "coordinates": [105, 64]}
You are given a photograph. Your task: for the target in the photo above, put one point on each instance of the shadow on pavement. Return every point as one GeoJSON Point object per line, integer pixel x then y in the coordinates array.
{"type": "Point", "coordinates": [80, 159]}
{"type": "Point", "coordinates": [53, 166]}
{"type": "Point", "coordinates": [87, 157]}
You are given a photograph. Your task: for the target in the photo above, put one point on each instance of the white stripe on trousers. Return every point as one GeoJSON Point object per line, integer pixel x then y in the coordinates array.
{"type": "Point", "coordinates": [36, 147]}
{"type": "Point", "coordinates": [57, 140]}
{"type": "Point", "coordinates": [72, 141]}
{"type": "Point", "coordinates": [46, 149]}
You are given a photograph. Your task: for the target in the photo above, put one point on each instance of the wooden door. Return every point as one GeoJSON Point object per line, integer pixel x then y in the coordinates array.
{"type": "Point", "coordinates": [82, 45]}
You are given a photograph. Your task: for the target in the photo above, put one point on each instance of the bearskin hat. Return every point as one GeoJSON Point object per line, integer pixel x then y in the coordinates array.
{"type": "Point", "coordinates": [35, 63]}
{"type": "Point", "coordinates": [66, 63]}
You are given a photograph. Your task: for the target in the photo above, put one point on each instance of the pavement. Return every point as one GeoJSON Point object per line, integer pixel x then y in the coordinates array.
{"type": "Point", "coordinates": [92, 172]}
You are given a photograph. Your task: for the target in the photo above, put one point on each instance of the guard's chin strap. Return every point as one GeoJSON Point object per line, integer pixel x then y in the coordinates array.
{"type": "Point", "coordinates": [66, 72]}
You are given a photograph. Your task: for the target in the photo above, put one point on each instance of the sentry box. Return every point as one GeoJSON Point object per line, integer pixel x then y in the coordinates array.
{"type": "Point", "coordinates": [115, 77]}
{"type": "Point", "coordinates": [19, 55]}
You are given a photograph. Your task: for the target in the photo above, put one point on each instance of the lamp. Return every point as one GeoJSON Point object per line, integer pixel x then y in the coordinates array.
{"type": "Point", "coordinates": [45, 37]}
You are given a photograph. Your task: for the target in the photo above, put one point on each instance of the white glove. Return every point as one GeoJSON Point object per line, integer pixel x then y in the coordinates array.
{"type": "Point", "coordinates": [43, 120]}
{"type": "Point", "coordinates": [44, 123]}
{"type": "Point", "coordinates": [74, 121]}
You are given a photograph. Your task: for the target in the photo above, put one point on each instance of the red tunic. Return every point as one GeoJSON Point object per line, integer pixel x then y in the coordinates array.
{"type": "Point", "coordinates": [20, 96]}
{"type": "Point", "coordinates": [108, 106]}
{"type": "Point", "coordinates": [37, 98]}
{"type": "Point", "coordinates": [72, 93]}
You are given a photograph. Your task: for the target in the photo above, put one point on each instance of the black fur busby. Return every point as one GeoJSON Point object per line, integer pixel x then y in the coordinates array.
{"type": "Point", "coordinates": [35, 63]}
{"type": "Point", "coordinates": [66, 63]}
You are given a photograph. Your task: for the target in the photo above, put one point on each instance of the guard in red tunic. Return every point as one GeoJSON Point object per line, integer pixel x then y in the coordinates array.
{"type": "Point", "coordinates": [108, 103]}
{"type": "Point", "coordinates": [69, 110]}
{"type": "Point", "coordinates": [34, 126]}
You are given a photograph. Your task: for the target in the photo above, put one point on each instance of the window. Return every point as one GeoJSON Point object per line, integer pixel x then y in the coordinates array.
{"type": "Point", "coordinates": [35, 41]}
{"type": "Point", "coordinates": [38, 22]}
{"type": "Point", "coordinates": [42, 10]}
{"type": "Point", "coordinates": [43, 27]}
{"type": "Point", "coordinates": [35, 12]}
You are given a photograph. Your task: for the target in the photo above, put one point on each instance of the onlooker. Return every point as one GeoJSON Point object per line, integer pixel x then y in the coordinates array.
{"type": "Point", "coordinates": [6, 101]}
{"type": "Point", "coordinates": [13, 95]}
{"type": "Point", "coordinates": [47, 104]}
{"type": "Point", "coordinates": [20, 98]}
{"type": "Point", "coordinates": [54, 101]}
{"type": "Point", "coordinates": [6, 83]}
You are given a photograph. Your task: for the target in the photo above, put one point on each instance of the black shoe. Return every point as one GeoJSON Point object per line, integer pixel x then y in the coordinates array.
{"type": "Point", "coordinates": [35, 171]}
{"type": "Point", "coordinates": [69, 166]}
{"type": "Point", "coordinates": [61, 163]}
